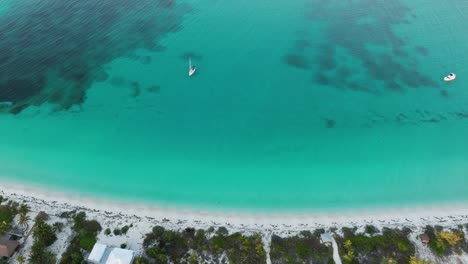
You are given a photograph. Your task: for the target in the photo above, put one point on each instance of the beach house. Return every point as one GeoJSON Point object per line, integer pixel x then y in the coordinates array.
{"type": "Point", "coordinates": [7, 247]}
{"type": "Point", "coordinates": [326, 239]}
{"type": "Point", "coordinates": [425, 238]}
{"type": "Point", "coordinates": [102, 254]}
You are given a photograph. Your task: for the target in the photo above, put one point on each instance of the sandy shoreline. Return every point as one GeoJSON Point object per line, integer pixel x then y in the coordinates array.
{"type": "Point", "coordinates": [259, 221]}
{"type": "Point", "coordinates": [143, 218]}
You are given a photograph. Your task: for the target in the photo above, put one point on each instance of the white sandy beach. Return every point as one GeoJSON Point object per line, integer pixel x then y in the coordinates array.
{"type": "Point", "coordinates": [144, 217]}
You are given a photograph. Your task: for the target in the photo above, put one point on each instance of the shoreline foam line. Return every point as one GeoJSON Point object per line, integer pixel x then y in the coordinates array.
{"type": "Point", "coordinates": [59, 202]}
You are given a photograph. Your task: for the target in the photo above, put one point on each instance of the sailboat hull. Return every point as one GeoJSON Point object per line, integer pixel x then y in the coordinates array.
{"type": "Point", "coordinates": [192, 71]}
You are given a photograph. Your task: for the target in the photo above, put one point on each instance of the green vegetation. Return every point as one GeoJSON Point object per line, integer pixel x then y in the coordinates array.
{"type": "Point", "coordinates": [302, 248]}
{"type": "Point", "coordinates": [43, 236]}
{"type": "Point", "coordinates": [125, 229]}
{"type": "Point", "coordinates": [85, 238]}
{"type": "Point", "coordinates": [58, 227]}
{"type": "Point", "coordinates": [20, 259]}
{"type": "Point", "coordinates": [191, 245]}
{"type": "Point", "coordinates": [371, 230]}
{"type": "Point", "coordinates": [87, 243]}
{"type": "Point", "coordinates": [348, 254]}
{"type": "Point", "coordinates": [8, 211]}
{"type": "Point", "coordinates": [119, 231]}
{"type": "Point", "coordinates": [44, 233]}
{"type": "Point", "coordinates": [415, 260]}
{"type": "Point", "coordinates": [42, 216]}
{"type": "Point", "coordinates": [443, 243]}
{"type": "Point", "coordinates": [392, 246]}
{"type": "Point", "coordinates": [40, 255]}
{"type": "Point", "coordinates": [68, 214]}
{"type": "Point", "coordinates": [4, 227]}
{"type": "Point", "coordinates": [141, 260]}
{"type": "Point", "coordinates": [23, 209]}
{"type": "Point", "coordinates": [23, 221]}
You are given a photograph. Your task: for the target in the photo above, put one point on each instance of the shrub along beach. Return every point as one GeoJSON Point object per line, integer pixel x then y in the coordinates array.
{"type": "Point", "coordinates": [52, 230]}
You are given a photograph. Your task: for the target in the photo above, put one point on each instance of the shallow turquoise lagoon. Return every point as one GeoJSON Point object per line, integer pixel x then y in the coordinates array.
{"type": "Point", "coordinates": [296, 105]}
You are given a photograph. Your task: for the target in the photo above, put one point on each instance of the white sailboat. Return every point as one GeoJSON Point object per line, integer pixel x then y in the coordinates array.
{"type": "Point", "coordinates": [450, 77]}
{"type": "Point", "coordinates": [192, 69]}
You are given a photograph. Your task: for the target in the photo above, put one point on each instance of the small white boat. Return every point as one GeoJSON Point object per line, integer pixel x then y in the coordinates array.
{"type": "Point", "coordinates": [192, 69]}
{"type": "Point", "coordinates": [450, 77]}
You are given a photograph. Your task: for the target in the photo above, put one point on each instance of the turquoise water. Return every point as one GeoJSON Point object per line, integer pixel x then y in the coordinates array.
{"type": "Point", "coordinates": [296, 105]}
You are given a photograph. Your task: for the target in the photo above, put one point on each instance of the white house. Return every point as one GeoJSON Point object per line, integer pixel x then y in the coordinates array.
{"type": "Point", "coordinates": [102, 254]}
{"type": "Point", "coordinates": [326, 239]}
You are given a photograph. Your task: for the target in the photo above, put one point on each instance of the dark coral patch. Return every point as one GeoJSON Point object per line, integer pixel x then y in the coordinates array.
{"type": "Point", "coordinates": [326, 59]}
{"type": "Point", "coordinates": [321, 79]}
{"type": "Point", "coordinates": [462, 115]}
{"type": "Point", "coordinates": [302, 44]}
{"type": "Point", "coordinates": [159, 48]}
{"type": "Point", "coordinates": [153, 89]}
{"type": "Point", "coordinates": [400, 53]}
{"type": "Point", "coordinates": [117, 81]}
{"type": "Point", "coordinates": [401, 118]}
{"type": "Point", "coordinates": [357, 87]}
{"type": "Point", "coordinates": [145, 60]}
{"type": "Point", "coordinates": [412, 78]}
{"type": "Point", "coordinates": [167, 3]}
{"type": "Point", "coordinates": [422, 50]}
{"type": "Point", "coordinates": [430, 120]}
{"type": "Point", "coordinates": [347, 33]}
{"type": "Point", "coordinates": [344, 72]}
{"type": "Point", "coordinates": [296, 61]}
{"type": "Point", "coordinates": [327, 63]}
{"type": "Point", "coordinates": [329, 123]}
{"type": "Point", "coordinates": [68, 43]}
{"type": "Point", "coordinates": [16, 90]}
{"type": "Point", "coordinates": [101, 76]}
{"type": "Point", "coordinates": [135, 86]}
{"type": "Point", "coordinates": [16, 109]}
{"type": "Point", "coordinates": [444, 93]}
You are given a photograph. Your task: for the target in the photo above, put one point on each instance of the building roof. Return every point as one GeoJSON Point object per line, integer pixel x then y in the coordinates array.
{"type": "Point", "coordinates": [120, 256]}
{"type": "Point", "coordinates": [424, 238]}
{"type": "Point", "coordinates": [101, 254]}
{"type": "Point", "coordinates": [326, 238]}
{"type": "Point", "coordinates": [97, 253]}
{"type": "Point", "coordinates": [7, 247]}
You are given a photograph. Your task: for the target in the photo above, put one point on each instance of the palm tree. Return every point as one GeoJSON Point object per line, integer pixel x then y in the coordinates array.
{"type": "Point", "coordinates": [43, 232]}
{"type": "Point", "coordinates": [20, 259]}
{"type": "Point", "coordinates": [57, 227]}
{"type": "Point", "coordinates": [24, 221]}
{"type": "Point", "coordinates": [4, 227]}
{"type": "Point", "coordinates": [23, 209]}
